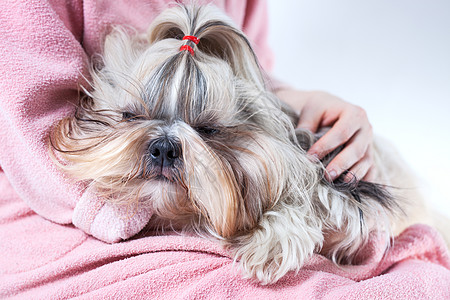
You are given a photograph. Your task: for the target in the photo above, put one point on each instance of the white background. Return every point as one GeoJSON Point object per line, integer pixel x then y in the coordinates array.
{"type": "Point", "coordinates": [390, 57]}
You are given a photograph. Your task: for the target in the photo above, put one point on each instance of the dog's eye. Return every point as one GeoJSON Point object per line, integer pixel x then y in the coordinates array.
{"type": "Point", "coordinates": [127, 116]}
{"type": "Point", "coordinates": [205, 130]}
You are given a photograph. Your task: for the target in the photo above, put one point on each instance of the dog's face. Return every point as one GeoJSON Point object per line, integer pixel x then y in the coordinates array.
{"type": "Point", "coordinates": [195, 136]}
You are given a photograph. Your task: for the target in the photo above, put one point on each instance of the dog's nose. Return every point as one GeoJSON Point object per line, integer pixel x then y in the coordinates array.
{"type": "Point", "coordinates": [164, 152]}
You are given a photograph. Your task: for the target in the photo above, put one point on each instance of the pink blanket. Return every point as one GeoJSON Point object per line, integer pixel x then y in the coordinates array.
{"type": "Point", "coordinates": [44, 260]}
{"type": "Point", "coordinates": [44, 50]}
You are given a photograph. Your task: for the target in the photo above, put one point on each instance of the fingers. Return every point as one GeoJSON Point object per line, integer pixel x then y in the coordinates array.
{"type": "Point", "coordinates": [350, 128]}
{"type": "Point", "coordinates": [310, 118]}
{"type": "Point", "coordinates": [356, 157]}
{"type": "Point", "coordinates": [363, 169]}
{"type": "Point", "coordinates": [338, 135]}
{"type": "Point", "coordinates": [353, 130]}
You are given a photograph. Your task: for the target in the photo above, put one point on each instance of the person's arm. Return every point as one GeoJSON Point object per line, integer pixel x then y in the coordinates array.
{"type": "Point", "coordinates": [41, 64]}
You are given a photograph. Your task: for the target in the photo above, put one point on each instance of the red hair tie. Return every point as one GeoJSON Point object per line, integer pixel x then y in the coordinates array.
{"type": "Point", "coordinates": [191, 38]}
{"type": "Point", "coordinates": [187, 47]}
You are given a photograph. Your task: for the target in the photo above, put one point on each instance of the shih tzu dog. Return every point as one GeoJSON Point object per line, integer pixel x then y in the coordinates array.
{"type": "Point", "coordinates": [180, 120]}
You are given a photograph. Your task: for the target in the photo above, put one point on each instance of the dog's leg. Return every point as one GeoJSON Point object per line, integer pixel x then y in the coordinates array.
{"type": "Point", "coordinates": [282, 241]}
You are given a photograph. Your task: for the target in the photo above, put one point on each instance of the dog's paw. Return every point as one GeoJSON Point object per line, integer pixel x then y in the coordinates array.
{"type": "Point", "coordinates": [262, 265]}
{"type": "Point", "coordinates": [109, 222]}
{"type": "Point", "coordinates": [282, 243]}
{"type": "Point", "coordinates": [270, 260]}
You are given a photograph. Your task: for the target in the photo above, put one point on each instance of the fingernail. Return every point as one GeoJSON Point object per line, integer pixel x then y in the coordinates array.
{"type": "Point", "coordinates": [332, 175]}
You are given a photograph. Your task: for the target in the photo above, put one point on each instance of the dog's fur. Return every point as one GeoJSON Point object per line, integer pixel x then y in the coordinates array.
{"type": "Point", "coordinates": [201, 140]}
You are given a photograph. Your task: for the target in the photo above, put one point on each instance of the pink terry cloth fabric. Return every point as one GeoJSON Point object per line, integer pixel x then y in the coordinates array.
{"type": "Point", "coordinates": [44, 260]}
{"type": "Point", "coordinates": [45, 48]}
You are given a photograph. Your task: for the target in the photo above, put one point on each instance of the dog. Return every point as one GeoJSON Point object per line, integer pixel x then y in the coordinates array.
{"type": "Point", "coordinates": [180, 119]}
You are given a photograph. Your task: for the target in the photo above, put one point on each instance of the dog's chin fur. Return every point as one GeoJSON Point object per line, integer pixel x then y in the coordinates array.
{"type": "Point", "coordinates": [243, 175]}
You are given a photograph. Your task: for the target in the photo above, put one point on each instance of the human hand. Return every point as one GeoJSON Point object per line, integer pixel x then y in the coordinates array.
{"type": "Point", "coordinates": [350, 127]}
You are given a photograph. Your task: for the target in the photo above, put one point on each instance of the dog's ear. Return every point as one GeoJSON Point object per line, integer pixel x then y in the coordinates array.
{"type": "Point", "coordinates": [224, 41]}
{"type": "Point", "coordinates": [218, 37]}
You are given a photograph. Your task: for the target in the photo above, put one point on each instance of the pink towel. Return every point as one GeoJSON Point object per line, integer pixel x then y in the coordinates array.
{"type": "Point", "coordinates": [44, 260]}
{"type": "Point", "coordinates": [45, 46]}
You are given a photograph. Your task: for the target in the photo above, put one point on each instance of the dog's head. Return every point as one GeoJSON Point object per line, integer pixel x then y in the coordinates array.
{"type": "Point", "coordinates": [196, 135]}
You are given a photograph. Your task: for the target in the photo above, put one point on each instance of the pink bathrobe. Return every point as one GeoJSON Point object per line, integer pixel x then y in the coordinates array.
{"type": "Point", "coordinates": [44, 52]}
